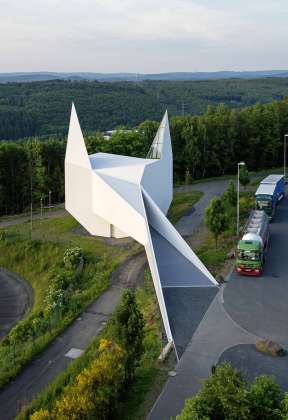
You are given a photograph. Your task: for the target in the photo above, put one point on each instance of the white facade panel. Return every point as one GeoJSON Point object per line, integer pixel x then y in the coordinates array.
{"type": "Point", "coordinates": [118, 196]}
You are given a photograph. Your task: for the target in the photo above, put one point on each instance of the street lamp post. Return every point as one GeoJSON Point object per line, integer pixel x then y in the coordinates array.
{"type": "Point", "coordinates": [238, 194]}
{"type": "Point", "coordinates": [284, 156]}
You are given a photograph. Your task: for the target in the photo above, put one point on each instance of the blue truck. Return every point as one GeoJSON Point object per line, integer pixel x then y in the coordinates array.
{"type": "Point", "coordinates": [270, 191]}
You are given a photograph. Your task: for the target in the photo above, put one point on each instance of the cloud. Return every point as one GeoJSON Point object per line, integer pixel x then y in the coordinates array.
{"type": "Point", "coordinates": [110, 35]}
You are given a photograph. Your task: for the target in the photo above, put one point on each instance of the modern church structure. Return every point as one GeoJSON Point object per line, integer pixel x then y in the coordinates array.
{"type": "Point", "coordinates": [120, 196]}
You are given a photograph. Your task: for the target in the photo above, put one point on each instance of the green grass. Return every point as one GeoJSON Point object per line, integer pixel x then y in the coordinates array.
{"type": "Point", "coordinates": [149, 375]}
{"type": "Point", "coordinates": [36, 257]}
{"type": "Point", "coordinates": [182, 202]}
{"type": "Point", "coordinates": [146, 374]}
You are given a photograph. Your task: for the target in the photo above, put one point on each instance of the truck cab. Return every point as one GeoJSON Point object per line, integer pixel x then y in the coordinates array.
{"type": "Point", "coordinates": [251, 249]}
{"type": "Point", "coordinates": [250, 256]}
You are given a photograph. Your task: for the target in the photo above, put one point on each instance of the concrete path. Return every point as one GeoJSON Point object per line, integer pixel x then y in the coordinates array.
{"type": "Point", "coordinates": [22, 219]}
{"type": "Point", "coordinates": [16, 298]}
{"type": "Point", "coordinates": [214, 335]}
{"type": "Point", "coordinates": [187, 224]}
{"type": "Point", "coordinates": [245, 310]}
{"type": "Point", "coordinates": [81, 332]}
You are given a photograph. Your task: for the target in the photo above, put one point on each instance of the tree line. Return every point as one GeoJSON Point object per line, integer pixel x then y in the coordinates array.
{"type": "Point", "coordinates": [203, 146]}
{"type": "Point", "coordinates": [42, 108]}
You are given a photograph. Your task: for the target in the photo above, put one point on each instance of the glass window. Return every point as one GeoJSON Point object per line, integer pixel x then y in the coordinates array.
{"type": "Point", "coordinates": [248, 255]}
{"type": "Point", "coordinates": [155, 151]}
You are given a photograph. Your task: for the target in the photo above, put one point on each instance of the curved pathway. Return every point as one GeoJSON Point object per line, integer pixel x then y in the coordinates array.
{"type": "Point", "coordinates": [52, 361]}
{"type": "Point", "coordinates": [16, 298]}
{"type": "Point", "coordinates": [187, 225]}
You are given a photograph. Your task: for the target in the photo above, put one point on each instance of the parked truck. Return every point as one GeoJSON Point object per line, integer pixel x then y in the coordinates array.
{"type": "Point", "coordinates": [252, 248]}
{"type": "Point", "coordinates": [269, 193]}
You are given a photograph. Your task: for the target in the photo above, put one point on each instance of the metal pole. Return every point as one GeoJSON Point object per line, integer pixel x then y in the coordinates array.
{"type": "Point", "coordinates": [50, 192]}
{"type": "Point", "coordinates": [238, 187]}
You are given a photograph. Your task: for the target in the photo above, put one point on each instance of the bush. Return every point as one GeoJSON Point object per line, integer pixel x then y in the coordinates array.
{"type": "Point", "coordinates": [96, 390]}
{"type": "Point", "coordinates": [72, 257]}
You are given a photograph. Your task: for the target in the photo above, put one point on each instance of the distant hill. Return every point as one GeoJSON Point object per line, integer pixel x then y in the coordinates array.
{"type": "Point", "coordinates": [23, 77]}
{"type": "Point", "coordinates": [42, 108]}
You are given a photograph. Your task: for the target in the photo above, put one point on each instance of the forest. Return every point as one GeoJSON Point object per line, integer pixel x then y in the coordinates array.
{"type": "Point", "coordinates": [42, 108]}
{"type": "Point", "coordinates": [203, 146]}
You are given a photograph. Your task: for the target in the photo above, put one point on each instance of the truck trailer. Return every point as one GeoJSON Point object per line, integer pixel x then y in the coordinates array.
{"type": "Point", "coordinates": [269, 193]}
{"type": "Point", "coordinates": [251, 249]}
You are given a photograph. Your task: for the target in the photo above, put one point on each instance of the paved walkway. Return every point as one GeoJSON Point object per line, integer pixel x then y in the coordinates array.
{"type": "Point", "coordinates": [37, 216]}
{"type": "Point", "coordinates": [16, 298]}
{"type": "Point", "coordinates": [52, 361]}
{"type": "Point", "coordinates": [187, 224]}
{"type": "Point", "coordinates": [215, 334]}
{"type": "Point", "coordinates": [246, 309]}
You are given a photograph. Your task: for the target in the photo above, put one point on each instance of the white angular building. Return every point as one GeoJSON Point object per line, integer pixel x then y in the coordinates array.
{"type": "Point", "coordinates": [120, 196]}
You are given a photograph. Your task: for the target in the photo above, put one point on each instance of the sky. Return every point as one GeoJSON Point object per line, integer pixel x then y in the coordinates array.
{"type": "Point", "coordinates": [143, 36]}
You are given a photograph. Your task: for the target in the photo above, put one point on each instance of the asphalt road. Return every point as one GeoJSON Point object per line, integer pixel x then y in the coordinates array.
{"type": "Point", "coordinates": [260, 304]}
{"type": "Point", "coordinates": [37, 216]}
{"type": "Point", "coordinates": [81, 332]}
{"type": "Point", "coordinates": [189, 223]}
{"type": "Point", "coordinates": [16, 298]}
{"type": "Point", "coordinates": [246, 309]}
{"type": "Point", "coordinates": [252, 363]}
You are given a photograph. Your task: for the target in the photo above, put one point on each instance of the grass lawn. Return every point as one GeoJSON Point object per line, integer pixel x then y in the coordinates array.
{"type": "Point", "coordinates": [182, 202]}
{"type": "Point", "coordinates": [37, 258]}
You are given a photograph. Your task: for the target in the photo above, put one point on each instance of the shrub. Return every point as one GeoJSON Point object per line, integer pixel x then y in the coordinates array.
{"type": "Point", "coordinates": [41, 415]}
{"type": "Point", "coordinates": [96, 390]}
{"type": "Point", "coordinates": [72, 257]}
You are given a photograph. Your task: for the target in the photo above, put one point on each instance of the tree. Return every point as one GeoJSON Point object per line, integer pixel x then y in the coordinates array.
{"type": "Point", "coordinates": [222, 397]}
{"type": "Point", "coordinates": [215, 218]}
{"type": "Point", "coordinates": [265, 399]}
{"type": "Point", "coordinates": [188, 177]}
{"type": "Point", "coordinates": [230, 196]}
{"type": "Point", "coordinates": [128, 328]}
{"type": "Point", "coordinates": [244, 177]}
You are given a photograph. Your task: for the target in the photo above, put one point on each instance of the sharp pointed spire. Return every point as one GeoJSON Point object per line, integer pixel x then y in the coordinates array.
{"type": "Point", "coordinates": [76, 151]}
{"type": "Point", "coordinates": [161, 146]}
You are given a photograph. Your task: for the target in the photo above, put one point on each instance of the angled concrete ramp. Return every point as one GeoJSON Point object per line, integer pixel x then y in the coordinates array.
{"type": "Point", "coordinates": [187, 287]}
{"type": "Point", "coordinates": [186, 306]}
{"type": "Point", "coordinates": [174, 268]}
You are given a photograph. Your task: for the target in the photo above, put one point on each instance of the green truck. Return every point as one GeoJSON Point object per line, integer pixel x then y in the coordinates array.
{"type": "Point", "coordinates": [251, 249]}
